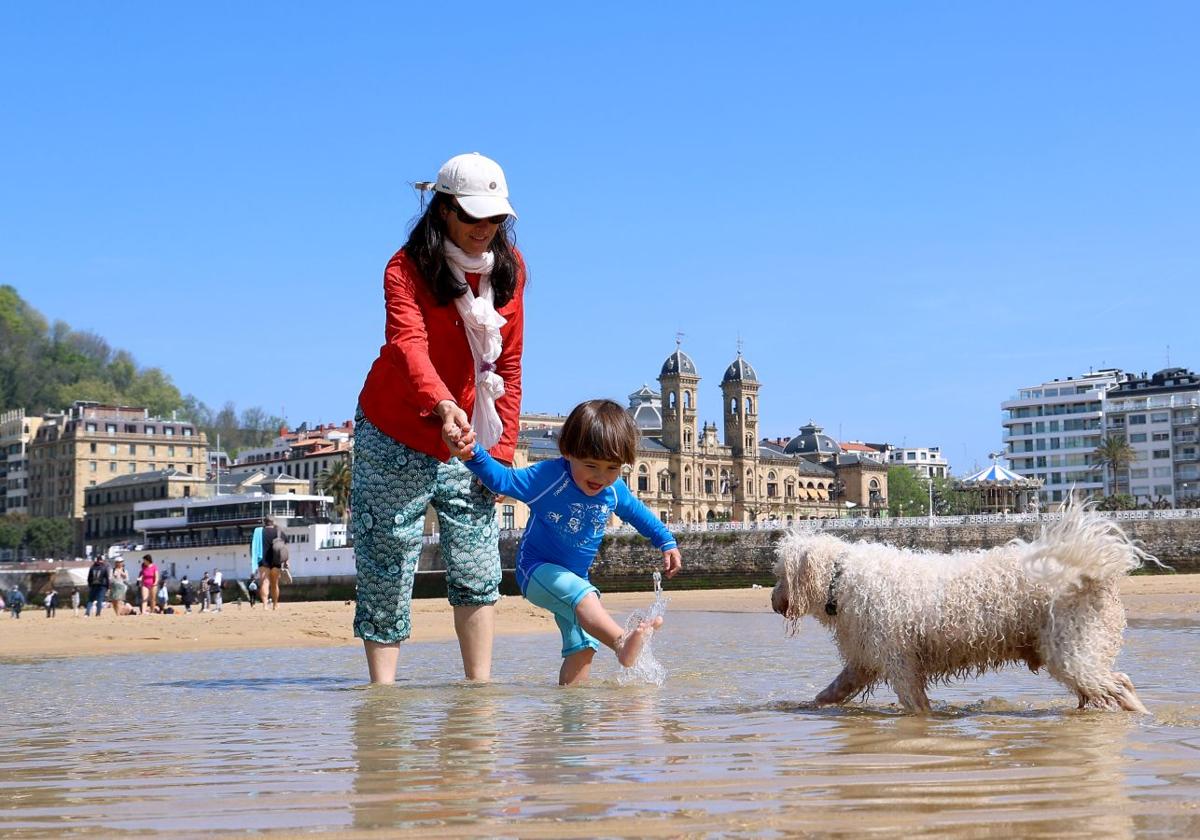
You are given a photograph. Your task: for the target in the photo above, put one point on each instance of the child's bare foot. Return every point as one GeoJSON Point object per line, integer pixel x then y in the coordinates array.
{"type": "Point", "coordinates": [630, 645]}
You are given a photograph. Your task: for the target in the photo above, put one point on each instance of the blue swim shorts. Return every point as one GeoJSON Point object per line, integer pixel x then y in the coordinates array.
{"type": "Point", "coordinates": [558, 590]}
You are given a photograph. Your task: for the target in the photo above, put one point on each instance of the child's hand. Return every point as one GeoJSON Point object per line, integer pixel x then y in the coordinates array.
{"type": "Point", "coordinates": [456, 427]}
{"type": "Point", "coordinates": [465, 447]}
{"type": "Point", "coordinates": [672, 561]}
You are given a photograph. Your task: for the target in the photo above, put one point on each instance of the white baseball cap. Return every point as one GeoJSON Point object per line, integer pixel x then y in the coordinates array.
{"type": "Point", "coordinates": [478, 184]}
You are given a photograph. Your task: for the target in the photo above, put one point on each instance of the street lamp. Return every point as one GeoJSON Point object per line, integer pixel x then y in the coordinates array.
{"type": "Point", "coordinates": [931, 500]}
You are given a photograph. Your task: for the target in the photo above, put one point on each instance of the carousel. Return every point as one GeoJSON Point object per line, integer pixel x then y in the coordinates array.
{"type": "Point", "coordinates": [999, 490]}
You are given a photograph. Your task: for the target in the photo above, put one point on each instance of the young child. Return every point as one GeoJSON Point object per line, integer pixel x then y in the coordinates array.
{"type": "Point", "coordinates": [571, 499]}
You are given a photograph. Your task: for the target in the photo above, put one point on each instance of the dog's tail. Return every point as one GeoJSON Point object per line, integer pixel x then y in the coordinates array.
{"type": "Point", "coordinates": [1082, 546]}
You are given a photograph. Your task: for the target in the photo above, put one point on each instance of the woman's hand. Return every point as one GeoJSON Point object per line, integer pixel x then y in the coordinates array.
{"type": "Point", "coordinates": [457, 433]}
{"type": "Point", "coordinates": [672, 561]}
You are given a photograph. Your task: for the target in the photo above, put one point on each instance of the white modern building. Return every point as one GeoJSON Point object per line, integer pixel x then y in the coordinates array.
{"type": "Point", "coordinates": [1160, 417]}
{"type": "Point", "coordinates": [925, 461]}
{"type": "Point", "coordinates": [1051, 432]}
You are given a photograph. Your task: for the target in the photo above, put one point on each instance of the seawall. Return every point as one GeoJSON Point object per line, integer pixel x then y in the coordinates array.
{"type": "Point", "coordinates": [720, 558]}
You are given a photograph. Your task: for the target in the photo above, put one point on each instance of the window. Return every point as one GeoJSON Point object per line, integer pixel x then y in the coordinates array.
{"type": "Point", "coordinates": [170, 451]}
{"type": "Point", "coordinates": [112, 449]}
{"type": "Point", "coordinates": [133, 449]}
{"type": "Point", "coordinates": [1141, 472]}
{"type": "Point", "coordinates": [912, 456]}
{"type": "Point", "coordinates": [187, 432]}
{"type": "Point", "coordinates": [132, 468]}
{"type": "Point", "coordinates": [1138, 438]}
{"type": "Point", "coordinates": [1158, 437]}
{"type": "Point", "coordinates": [1162, 489]}
{"type": "Point", "coordinates": [1160, 416]}
{"type": "Point", "coordinates": [110, 428]}
{"type": "Point", "coordinates": [91, 427]}
{"type": "Point", "coordinates": [169, 431]}
{"type": "Point", "coordinates": [91, 466]}
{"type": "Point", "coordinates": [152, 450]}
{"type": "Point", "coordinates": [92, 448]}
{"type": "Point", "coordinates": [1161, 453]}
{"type": "Point", "coordinates": [189, 452]}
{"type": "Point", "coordinates": [1162, 472]}
{"type": "Point", "coordinates": [508, 517]}
{"type": "Point", "coordinates": [149, 430]}
{"type": "Point", "coordinates": [112, 466]}
{"type": "Point", "coordinates": [1137, 419]}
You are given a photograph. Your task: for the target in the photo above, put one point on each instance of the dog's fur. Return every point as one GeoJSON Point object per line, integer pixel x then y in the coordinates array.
{"type": "Point", "coordinates": [909, 618]}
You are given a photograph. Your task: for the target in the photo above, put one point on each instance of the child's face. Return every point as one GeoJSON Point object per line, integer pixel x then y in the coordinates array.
{"type": "Point", "coordinates": [591, 475]}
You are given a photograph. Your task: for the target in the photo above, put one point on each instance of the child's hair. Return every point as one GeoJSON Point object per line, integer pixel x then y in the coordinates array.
{"type": "Point", "coordinates": [599, 429]}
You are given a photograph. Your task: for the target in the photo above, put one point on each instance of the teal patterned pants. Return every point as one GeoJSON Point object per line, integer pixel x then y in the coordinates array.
{"type": "Point", "coordinates": [392, 485]}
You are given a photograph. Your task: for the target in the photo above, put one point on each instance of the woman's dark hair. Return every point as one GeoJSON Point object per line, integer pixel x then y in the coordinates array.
{"type": "Point", "coordinates": [599, 429]}
{"type": "Point", "coordinates": [425, 248]}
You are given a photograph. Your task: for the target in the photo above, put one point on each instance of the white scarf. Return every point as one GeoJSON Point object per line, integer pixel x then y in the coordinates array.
{"type": "Point", "coordinates": [482, 324]}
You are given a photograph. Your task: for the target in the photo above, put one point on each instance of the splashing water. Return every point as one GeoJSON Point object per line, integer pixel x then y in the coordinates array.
{"type": "Point", "coordinates": [647, 669]}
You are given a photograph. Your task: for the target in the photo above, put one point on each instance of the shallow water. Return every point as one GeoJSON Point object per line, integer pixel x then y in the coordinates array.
{"type": "Point", "coordinates": [292, 742]}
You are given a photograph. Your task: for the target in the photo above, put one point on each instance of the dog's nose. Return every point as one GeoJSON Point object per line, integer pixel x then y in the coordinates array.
{"type": "Point", "coordinates": [779, 601]}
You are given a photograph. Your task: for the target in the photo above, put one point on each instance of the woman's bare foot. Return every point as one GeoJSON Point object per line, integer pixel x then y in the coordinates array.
{"type": "Point", "coordinates": [629, 646]}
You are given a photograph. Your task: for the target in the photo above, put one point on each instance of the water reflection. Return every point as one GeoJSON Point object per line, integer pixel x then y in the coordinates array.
{"type": "Point", "coordinates": [726, 747]}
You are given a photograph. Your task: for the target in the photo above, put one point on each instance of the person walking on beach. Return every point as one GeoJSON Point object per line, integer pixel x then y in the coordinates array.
{"type": "Point", "coordinates": [185, 593]}
{"type": "Point", "coordinates": [571, 499]}
{"type": "Point", "coordinates": [275, 557]}
{"type": "Point", "coordinates": [451, 362]}
{"type": "Point", "coordinates": [97, 586]}
{"type": "Point", "coordinates": [218, 581]}
{"type": "Point", "coordinates": [16, 600]}
{"type": "Point", "coordinates": [205, 592]}
{"type": "Point", "coordinates": [148, 581]}
{"type": "Point", "coordinates": [51, 603]}
{"type": "Point", "coordinates": [118, 588]}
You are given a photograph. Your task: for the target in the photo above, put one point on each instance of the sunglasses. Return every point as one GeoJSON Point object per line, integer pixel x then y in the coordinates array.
{"type": "Point", "coordinates": [468, 219]}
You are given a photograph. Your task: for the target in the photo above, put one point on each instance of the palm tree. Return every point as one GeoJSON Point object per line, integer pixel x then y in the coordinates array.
{"type": "Point", "coordinates": [335, 482]}
{"type": "Point", "coordinates": [1115, 453]}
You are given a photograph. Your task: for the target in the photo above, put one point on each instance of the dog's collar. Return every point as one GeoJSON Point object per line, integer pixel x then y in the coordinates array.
{"type": "Point", "coordinates": [831, 600]}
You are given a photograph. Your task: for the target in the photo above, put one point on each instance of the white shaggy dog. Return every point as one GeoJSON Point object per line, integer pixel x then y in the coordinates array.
{"type": "Point", "coordinates": [909, 618]}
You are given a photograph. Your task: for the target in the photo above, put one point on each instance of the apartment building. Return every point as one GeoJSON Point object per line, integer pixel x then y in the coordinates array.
{"type": "Point", "coordinates": [305, 453]}
{"type": "Point", "coordinates": [92, 443]}
{"type": "Point", "coordinates": [1160, 417]}
{"type": "Point", "coordinates": [17, 431]}
{"type": "Point", "coordinates": [1051, 432]}
{"type": "Point", "coordinates": [925, 461]}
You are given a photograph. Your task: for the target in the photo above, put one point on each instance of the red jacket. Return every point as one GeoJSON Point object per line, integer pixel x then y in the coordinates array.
{"type": "Point", "coordinates": [426, 359]}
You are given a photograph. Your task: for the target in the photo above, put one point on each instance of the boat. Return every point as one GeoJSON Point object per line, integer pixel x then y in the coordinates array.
{"type": "Point", "coordinates": [192, 535]}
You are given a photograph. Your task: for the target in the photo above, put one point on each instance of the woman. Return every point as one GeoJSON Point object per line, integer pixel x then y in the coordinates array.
{"type": "Point", "coordinates": [449, 371]}
{"type": "Point", "coordinates": [118, 586]}
{"type": "Point", "coordinates": [148, 578]}
{"type": "Point", "coordinates": [274, 559]}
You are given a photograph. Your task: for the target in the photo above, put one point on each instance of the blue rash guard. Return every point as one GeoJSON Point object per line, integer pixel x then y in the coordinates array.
{"type": "Point", "coordinates": [566, 525]}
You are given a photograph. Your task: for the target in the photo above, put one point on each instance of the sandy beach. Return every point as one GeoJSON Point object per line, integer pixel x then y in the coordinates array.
{"type": "Point", "coordinates": [326, 623]}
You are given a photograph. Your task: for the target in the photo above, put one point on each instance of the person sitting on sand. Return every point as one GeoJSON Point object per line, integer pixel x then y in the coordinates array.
{"type": "Point", "coordinates": [571, 499]}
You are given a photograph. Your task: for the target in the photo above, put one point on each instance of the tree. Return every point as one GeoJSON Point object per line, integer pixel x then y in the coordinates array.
{"type": "Point", "coordinates": [1115, 453]}
{"type": "Point", "coordinates": [12, 530]}
{"type": "Point", "coordinates": [949, 501]}
{"type": "Point", "coordinates": [48, 537]}
{"type": "Point", "coordinates": [908, 495]}
{"type": "Point", "coordinates": [1117, 501]}
{"type": "Point", "coordinates": [335, 482]}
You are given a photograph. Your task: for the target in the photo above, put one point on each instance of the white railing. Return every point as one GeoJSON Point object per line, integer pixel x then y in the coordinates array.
{"type": "Point", "coordinates": [862, 523]}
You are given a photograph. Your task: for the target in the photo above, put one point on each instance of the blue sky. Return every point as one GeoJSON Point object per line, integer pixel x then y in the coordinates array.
{"type": "Point", "coordinates": [905, 211]}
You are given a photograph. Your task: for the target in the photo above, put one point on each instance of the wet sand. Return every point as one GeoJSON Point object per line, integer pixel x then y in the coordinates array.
{"type": "Point", "coordinates": [327, 624]}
